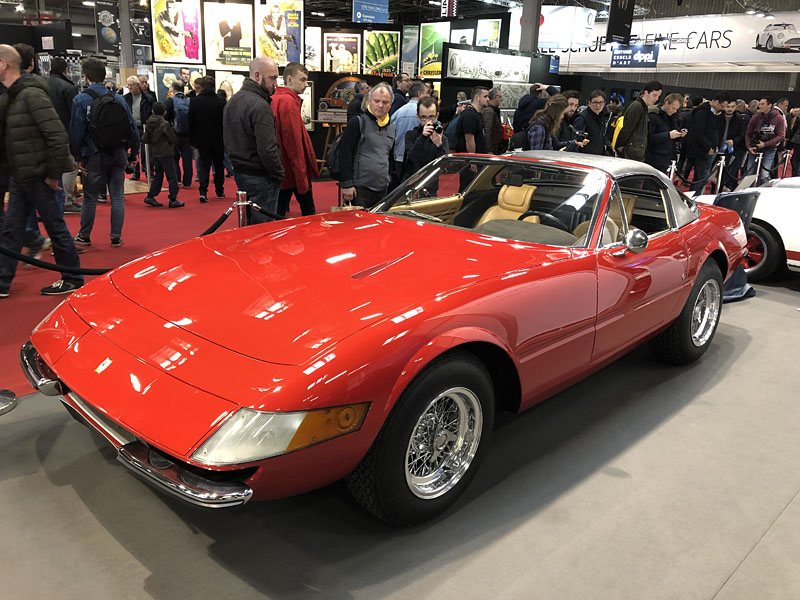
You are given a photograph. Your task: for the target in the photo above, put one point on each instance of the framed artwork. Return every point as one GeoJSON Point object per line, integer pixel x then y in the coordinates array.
{"type": "Point", "coordinates": [279, 30]}
{"type": "Point", "coordinates": [229, 36]}
{"type": "Point", "coordinates": [342, 52]}
{"type": "Point", "coordinates": [167, 74]}
{"type": "Point", "coordinates": [432, 37]}
{"type": "Point", "coordinates": [176, 31]}
{"type": "Point", "coordinates": [381, 53]}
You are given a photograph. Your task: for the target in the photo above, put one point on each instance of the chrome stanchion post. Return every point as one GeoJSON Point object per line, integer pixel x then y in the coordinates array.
{"type": "Point", "coordinates": [759, 158]}
{"type": "Point", "coordinates": [147, 167]}
{"type": "Point", "coordinates": [241, 207]}
{"type": "Point", "coordinates": [721, 172]}
{"type": "Point", "coordinates": [673, 166]}
{"type": "Point", "coordinates": [786, 156]}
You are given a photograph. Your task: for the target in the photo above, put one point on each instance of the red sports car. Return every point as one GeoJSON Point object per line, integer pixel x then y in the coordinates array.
{"type": "Point", "coordinates": [377, 345]}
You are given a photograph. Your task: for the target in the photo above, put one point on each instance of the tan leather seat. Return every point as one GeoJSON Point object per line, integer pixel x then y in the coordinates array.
{"type": "Point", "coordinates": [512, 202]}
{"type": "Point", "coordinates": [628, 202]}
{"type": "Point", "coordinates": [610, 232]}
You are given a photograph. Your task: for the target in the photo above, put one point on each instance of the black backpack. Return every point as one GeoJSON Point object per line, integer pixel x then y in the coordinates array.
{"type": "Point", "coordinates": [520, 140]}
{"type": "Point", "coordinates": [109, 124]}
{"type": "Point", "coordinates": [332, 157]}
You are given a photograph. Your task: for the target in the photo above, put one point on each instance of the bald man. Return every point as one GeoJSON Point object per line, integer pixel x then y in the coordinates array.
{"type": "Point", "coordinates": [250, 138]}
{"type": "Point", "coordinates": [35, 154]}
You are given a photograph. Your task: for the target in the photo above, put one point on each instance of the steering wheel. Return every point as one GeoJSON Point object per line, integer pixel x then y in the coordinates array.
{"type": "Point", "coordinates": [553, 221]}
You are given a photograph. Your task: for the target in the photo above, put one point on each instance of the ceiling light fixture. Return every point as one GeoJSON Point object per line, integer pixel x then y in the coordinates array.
{"type": "Point", "coordinates": [19, 7]}
{"type": "Point", "coordinates": [76, 34]}
{"type": "Point", "coordinates": [88, 3]}
{"type": "Point", "coordinates": [769, 16]}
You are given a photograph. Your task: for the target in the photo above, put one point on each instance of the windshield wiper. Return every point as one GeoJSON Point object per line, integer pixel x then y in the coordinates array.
{"type": "Point", "coordinates": [414, 213]}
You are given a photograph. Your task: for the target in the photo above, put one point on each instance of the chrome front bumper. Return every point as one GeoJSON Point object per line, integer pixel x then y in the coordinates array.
{"type": "Point", "coordinates": [152, 467]}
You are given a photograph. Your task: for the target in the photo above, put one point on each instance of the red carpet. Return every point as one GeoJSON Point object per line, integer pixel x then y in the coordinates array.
{"type": "Point", "coordinates": [146, 229]}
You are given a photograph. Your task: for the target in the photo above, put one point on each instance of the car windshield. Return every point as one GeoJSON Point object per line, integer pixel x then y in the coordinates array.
{"type": "Point", "coordinates": [515, 199]}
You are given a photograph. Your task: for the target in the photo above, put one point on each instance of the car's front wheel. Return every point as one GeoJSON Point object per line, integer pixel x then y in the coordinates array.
{"type": "Point", "coordinates": [691, 333]}
{"type": "Point", "coordinates": [764, 253]}
{"type": "Point", "coordinates": [431, 445]}
{"type": "Point", "coordinates": [770, 44]}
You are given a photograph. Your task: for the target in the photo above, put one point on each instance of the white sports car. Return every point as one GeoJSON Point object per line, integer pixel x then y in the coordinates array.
{"type": "Point", "coordinates": [773, 238]}
{"type": "Point", "coordinates": [778, 35]}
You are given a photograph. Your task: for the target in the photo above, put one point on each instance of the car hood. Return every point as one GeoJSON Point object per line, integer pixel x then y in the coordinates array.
{"type": "Point", "coordinates": [285, 291]}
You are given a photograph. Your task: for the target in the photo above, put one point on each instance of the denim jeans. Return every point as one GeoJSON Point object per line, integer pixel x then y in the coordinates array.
{"type": "Point", "coordinates": [163, 165]}
{"type": "Point", "coordinates": [261, 189]}
{"type": "Point", "coordinates": [183, 154]}
{"type": "Point", "coordinates": [141, 166]}
{"type": "Point", "coordinates": [733, 162]}
{"type": "Point", "coordinates": [104, 169]}
{"type": "Point", "coordinates": [702, 168]}
{"type": "Point", "coordinates": [38, 197]}
{"type": "Point", "coordinates": [306, 201]}
{"type": "Point", "coordinates": [207, 158]}
{"type": "Point", "coordinates": [69, 183]}
{"type": "Point", "coordinates": [767, 163]}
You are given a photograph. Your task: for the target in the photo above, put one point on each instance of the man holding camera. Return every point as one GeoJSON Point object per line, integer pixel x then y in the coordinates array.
{"type": "Point", "coordinates": [425, 142]}
{"type": "Point", "coordinates": [765, 131]}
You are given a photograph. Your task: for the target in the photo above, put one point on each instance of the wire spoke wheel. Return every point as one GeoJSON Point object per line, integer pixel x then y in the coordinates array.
{"type": "Point", "coordinates": [706, 312]}
{"type": "Point", "coordinates": [443, 443]}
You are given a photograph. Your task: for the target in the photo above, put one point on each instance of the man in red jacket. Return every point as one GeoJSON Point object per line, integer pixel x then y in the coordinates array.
{"type": "Point", "coordinates": [297, 153]}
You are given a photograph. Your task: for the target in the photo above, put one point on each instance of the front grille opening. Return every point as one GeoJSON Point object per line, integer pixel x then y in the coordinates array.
{"type": "Point", "coordinates": [235, 475]}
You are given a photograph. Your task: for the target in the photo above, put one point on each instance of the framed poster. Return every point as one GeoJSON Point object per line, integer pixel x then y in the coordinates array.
{"type": "Point", "coordinates": [106, 16]}
{"type": "Point", "coordinates": [333, 105]}
{"type": "Point", "coordinates": [229, 36]}
{"type": "Point", "coordinates": [432, 36]}
{"type": "Point", "coordinates": [167, 74]}
{"type": "Point", "coordinates": [342, 52]}
{"type": "Point", "coordinates": [279, 30]}
{"type": "Point", "coordinates": [410, 49]}
{"type": "Point", "coordinates": [176, 31]}
{"type": "Point", "coordinates": [488, 33]}
{"type": "Point", "coordinates": [381, 53]}
{"type": "Point", "coordinates": [313, 49]}
{"type": "Point", "coordinates": [462, 36]}
{"type": "Point", "coordinates": [229, 81]}
{"type": "Point", "coordinates": [469, 64]}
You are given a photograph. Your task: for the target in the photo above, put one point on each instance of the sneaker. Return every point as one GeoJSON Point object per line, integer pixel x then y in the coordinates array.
{"type": "Point", "coordinates": [61, 286]}
{"type": "Point", "coordinates": [203, 199]}
{"type": "Point", "coordinates": [101, 198]}
{"type": "Point", "coordinates": [220, 194]}
{"type": "Point", "coordinates": [152, 202]}
{"type": "Point", "coordinates": [229, 174]}
{"type": "Point", "coordinates": [4, 294]}
{"type": "Point", "coordinates": [72, 208]}
{"type": "Point", "coordinates": [175, 203]}
{"type": "Point", "coordinates": [79, 241]}
{"type": "Point", "coordinates": [116, 242]}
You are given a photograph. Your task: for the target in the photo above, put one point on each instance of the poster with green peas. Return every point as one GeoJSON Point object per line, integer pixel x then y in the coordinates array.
{"type": "Point", "coordinates": [381, 53]}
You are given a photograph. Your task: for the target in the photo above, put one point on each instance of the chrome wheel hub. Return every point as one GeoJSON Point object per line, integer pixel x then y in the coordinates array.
{"type": "Point", "coordinates": [443, 443]}
{"type": "Point", "coordinates": [705, 313]}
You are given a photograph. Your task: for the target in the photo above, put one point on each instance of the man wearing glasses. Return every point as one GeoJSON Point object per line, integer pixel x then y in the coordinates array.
{"type": "Point", "coordinates": [592, 122]}
{"type": "Point", "coordinates": [401, 84]}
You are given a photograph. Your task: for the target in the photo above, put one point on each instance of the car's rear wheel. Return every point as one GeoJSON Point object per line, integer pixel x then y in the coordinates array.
{"type": "Point", "coordinates": [764, 253]}
{"type": "Point", "coordinates": [691, 333]}
{"type": "Point", "coordinates": [431, 445]}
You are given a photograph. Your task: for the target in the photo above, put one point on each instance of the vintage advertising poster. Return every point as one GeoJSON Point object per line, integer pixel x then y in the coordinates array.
{"type": "Point", "coordinates": [488, 33]}
{"type": "Point", "coordinates": [432, 36]}
{"type": "Point", "coordinates": [410, 49]}
{"type": "Point", "coordinates": [176, 31]}
{"type": "Point", "coordinates": [381, 53]}
{"type": "Point", "coordinates": [313, 48]}
{"type": "Point", "coordinates": [342, 52]}
{"type": "Point", "coordinates": [462, 36]}
{"type": "Point", "coordinates": [167, 74]}
{"type": "Point", "coordinates": [279, 30]}
{"type": "Point", "coordinates": [333, 106]}
{"type": "Point", "coordinates": [229, 36]}
{"type": "Point", "coordinates": [107, 25]}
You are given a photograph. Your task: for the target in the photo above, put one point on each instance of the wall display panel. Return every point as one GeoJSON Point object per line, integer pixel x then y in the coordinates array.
{"type": "Point", "coordinates": [342, 52]}
{"type": "Point", "coordinates": [470, 64]}
{"type": "Point", "coordinates": [106, 17]}
{"type": "Point", "coordinates": [313, 48]}
{"type": "Point", "coordinates": [167, 74]}
{"type": "Point", "coordinates": [333, 104]}
{"type": "Point", "coordinates": [381, 53]}
{"type": "Point", "coordinates": [176, 31]}
{"type": "Point", "coordinates": [488, 33]}
{"type": "Point", "coordinates": [410, 52]}
{"type": "Point", "coordinates": [279, 30]}
{"type": "Point", "coordinates": [229, 81]}
{"type": "Point", "coordinates": [307, 106]}
{"type": "Point", "coordinates": [432, 37]}
{"type": "Point", "coordinates": [229, 35]}
{"type": "Point", "coordinates": [462, 36]}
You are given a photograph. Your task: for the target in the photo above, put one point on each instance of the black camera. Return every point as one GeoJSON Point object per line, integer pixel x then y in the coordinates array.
{"type": "Point", "coordinates": [437, 127]}
{"type": "Point", "coordinates": [758, 136]}
{"type": "Point", "coordinates": [580, 136]}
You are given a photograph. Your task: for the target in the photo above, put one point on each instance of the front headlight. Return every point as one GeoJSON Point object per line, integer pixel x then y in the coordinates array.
{"type": "Point", "coordinates": [250, 435]}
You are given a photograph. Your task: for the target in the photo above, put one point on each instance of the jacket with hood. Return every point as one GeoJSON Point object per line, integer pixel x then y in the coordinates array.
{"type": "Point", "coordinates": [160, 135]}
{"type": "Point", "coordinates": [249, 132]}
{"type": "Point", "coordinates": [205, 119]}
{"type": "Point", "coordinates": [62, 93]}
{"type": "Point", "coordinates": [702, 135]}
{"type": "Point", "coordinates": [297, 153]}
{"type": "Point", "coordinates": [633, 135]}
{"type": "Point", "coordinates": [771, 126]}
{"type": "Point", "coordinates": [36, 144]}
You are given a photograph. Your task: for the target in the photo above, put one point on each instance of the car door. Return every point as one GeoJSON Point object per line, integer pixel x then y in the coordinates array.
{"type": "Point", "coordinates": [638, 293]}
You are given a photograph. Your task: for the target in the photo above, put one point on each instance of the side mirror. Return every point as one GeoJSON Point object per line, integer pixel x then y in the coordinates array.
{"type": "Point", "coordinates": [636, 241]}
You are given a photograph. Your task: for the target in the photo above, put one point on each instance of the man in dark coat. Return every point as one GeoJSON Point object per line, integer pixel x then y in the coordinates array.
{"type": "Point", "coordinates": [62, 93]}
{"type": "Point", "coordinates": [205, 133]}
{"type": "Point", "coordinates": [354, 108]}
{"type": "Point", "coordinates": [700, 144]}
{"type": "Point", "coordinates": [731, 129]}
{"type": "Point", "coordinates": [530, 103]}
{"type": "Point", "coordinates": [142, 107]}
{"type": "Point", "coordinates": [35, 154]}
{"type": "Point", "coordinates": [662, 133]}
{"type": "Point", "coordinates": [592, 122]}
{"type": "Point", "coordinates": [251, 140]}
{"type": "Point", "coordinates": [423, 143]}
{"type": "Point", "coordinates": [632, 139]}
{"type": "Point", "coordinates": [401, 84]}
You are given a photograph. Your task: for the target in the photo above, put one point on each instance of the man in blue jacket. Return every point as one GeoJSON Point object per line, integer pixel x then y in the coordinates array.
{"type": "Point", "coordinates": [102, 167]}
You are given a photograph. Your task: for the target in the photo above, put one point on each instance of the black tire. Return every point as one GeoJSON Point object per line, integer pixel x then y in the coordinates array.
{"type": "Point", "coordinates": [758, 46]}
{"type": "Point", "coordinates": [769, 45]}
{"type": "Point", "coordinates": [675, 345]}
{"type": "Point", "coordinates": [770, 247]}
{"type": "Point", "coordinates": [379, 483]}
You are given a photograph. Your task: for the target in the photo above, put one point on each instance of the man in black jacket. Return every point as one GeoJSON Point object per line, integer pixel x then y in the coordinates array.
{"type": "Point", "coordinates": [700, 144]}
{"type": "Point", "coordinates": [592, 122]}
{"type": "Point", "coordinates": [142, 107]}
{"type": "Point", "coordinates": [731, 128]}
{"type": "Point", "coordinates": [401, 84]}
{"type": "Point", "coordinates": [251, 141]}
{"type": "Point", "coordinates": [62, 93]}
{"type": "Point", "coordinates": [205, 133]}
{"type": "Point", "coordinates": [530, 103]}
{"type": "Point", "coordinates": [354, 108]}
{"type": "Point", "coordinates": [662, 133]}
{"type": "Point", "coordinates": [423, 143]}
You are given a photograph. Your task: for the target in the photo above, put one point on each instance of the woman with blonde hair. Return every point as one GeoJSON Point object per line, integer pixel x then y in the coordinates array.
{"type": "Point", "coordinates": [545, 123]}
